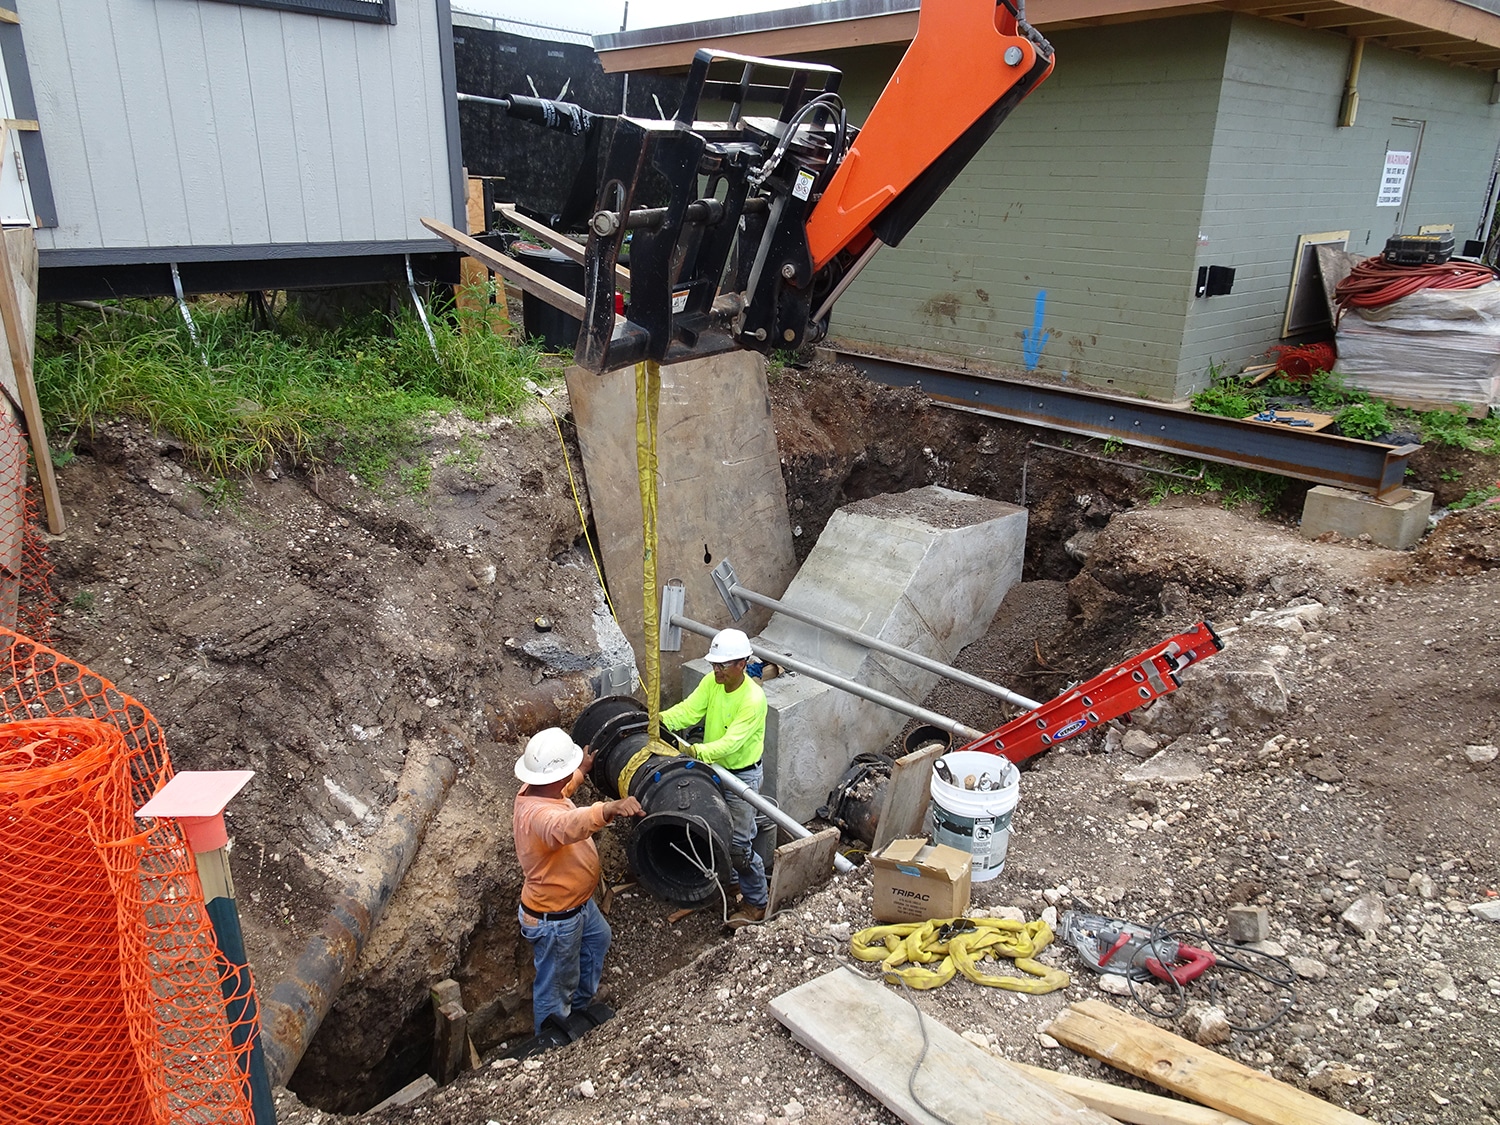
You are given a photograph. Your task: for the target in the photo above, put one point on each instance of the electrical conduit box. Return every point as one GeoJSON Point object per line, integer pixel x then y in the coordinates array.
{"type": "Point", "coordinates": [915, 881]}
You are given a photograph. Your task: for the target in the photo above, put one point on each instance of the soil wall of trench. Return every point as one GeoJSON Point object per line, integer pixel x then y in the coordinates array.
{"type": "Point", "coordinates": [323, 635]}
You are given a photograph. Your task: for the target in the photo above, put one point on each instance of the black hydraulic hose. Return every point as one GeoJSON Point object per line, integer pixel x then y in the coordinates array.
{"type": "Point", "coordinates": [565, 117]}
{"type": "Point", "coordinates": [680, 848]}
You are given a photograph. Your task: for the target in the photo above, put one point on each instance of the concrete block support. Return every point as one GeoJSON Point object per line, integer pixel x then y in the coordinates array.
{"type": "Point", "coordinates": [925, 570]}
{"type": "Point", "coordinates": [721, 492]}
{"type": "Point", "coordinates": [1397, 521]}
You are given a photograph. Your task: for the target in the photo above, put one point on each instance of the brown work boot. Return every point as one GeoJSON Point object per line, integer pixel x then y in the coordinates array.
{"type": "Point", "coordinates": [745, 915]}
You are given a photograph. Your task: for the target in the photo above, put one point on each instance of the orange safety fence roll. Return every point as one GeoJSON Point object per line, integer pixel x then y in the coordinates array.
{"type": "Point", "coordinates": [112, 1005]}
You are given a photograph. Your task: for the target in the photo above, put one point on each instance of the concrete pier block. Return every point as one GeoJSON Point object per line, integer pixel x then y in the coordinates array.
{"type": "Point", "coordinates": [925, 570]}
{"type": "Point", "coordinates": [1396, 521]}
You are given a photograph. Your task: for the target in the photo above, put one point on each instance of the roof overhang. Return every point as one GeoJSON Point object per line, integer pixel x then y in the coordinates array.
{"type": "Point", "coordinates": [1457, 32]}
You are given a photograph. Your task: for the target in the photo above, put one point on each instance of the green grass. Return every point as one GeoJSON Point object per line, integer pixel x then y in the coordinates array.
{"type": "Point", "coordinates": [1475, 497]}
{"type": "Point", "coordinates": [1235, 487]}
{"type": "Point", "coordinates": [355, 396]}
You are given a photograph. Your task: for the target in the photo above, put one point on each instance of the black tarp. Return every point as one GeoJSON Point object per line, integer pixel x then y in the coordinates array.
{"type": "Point", "coordinates": [536, 167]}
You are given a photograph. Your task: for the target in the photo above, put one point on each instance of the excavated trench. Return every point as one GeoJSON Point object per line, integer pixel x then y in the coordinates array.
{"type": "Point", "coordinates": [842, 440]}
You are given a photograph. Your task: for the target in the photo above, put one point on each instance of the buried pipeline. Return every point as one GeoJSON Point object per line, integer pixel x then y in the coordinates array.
{"type": "Point", "coordinates": [680, 849]}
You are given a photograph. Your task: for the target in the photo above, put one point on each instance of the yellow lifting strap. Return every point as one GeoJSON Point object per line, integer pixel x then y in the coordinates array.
{"type": "Point", "coordinates": [647, 409]}
{"type": "Point", "coordinates": [960, 945]}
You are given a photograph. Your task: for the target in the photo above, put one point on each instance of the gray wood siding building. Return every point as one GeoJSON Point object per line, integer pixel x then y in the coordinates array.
{"type": "Point", "coordinates": [1071, 246]}
{"type": "Point", "coordinates": [209, 131]}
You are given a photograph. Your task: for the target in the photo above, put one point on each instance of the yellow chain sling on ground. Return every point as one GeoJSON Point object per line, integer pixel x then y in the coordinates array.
{"type": "Point", "coordinates": [959, 945]}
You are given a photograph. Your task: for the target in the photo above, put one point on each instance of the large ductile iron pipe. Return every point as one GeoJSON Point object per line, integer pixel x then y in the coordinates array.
{"type": "Point", "coordinates": [294, 1008]}
{"type": "Point", "coordinates": [680, 849]}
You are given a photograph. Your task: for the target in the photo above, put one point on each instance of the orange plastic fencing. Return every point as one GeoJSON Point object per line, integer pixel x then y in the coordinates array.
{"type": "Point", "coordinates": [111, 1001]}
{"type": "Point", "coordinates": [26, 598]}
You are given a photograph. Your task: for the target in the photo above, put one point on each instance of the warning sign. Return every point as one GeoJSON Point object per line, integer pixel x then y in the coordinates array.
{"type": "Point", "coordinates": [1393, 179]}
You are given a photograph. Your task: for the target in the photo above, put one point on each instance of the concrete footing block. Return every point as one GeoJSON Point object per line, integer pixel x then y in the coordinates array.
{"type": "Point", "coordinates": [1396, 521]}
{"type": "Point", "coordinates": [925, 570]}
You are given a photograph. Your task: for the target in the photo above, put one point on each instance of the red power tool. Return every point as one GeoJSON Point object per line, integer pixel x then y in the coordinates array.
{"type": "Point", "coordinates": [1113, 945]}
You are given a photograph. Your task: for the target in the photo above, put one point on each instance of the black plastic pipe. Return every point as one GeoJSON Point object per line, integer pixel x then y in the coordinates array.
{"type": "Point", "coordinates": [680, 849]}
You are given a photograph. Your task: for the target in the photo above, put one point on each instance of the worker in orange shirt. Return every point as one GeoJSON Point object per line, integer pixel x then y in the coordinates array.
{"type": "Point", "coordinates": [569, 936]}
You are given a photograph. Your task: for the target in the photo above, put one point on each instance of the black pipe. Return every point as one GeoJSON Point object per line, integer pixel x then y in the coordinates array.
{"type": "Point", "coordinates": [686, 826]}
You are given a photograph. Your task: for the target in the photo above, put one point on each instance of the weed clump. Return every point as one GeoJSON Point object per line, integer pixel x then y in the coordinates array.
{"type": "Point", "coordinates": [245, 395]}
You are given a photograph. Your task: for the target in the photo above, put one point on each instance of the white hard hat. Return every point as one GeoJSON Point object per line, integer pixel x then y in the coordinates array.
{"type": "Point", "coordinates": [550, 755]}
{"type": "Point", "coordinates": [729, 644]}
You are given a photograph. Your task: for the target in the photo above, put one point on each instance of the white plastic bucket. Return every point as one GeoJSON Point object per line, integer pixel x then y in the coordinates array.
{"type": "Point", "coordinates": [976, 821]}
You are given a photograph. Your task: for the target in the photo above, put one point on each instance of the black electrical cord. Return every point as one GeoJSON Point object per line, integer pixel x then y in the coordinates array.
{"type": "Point", "coordinates": [1167, 934]}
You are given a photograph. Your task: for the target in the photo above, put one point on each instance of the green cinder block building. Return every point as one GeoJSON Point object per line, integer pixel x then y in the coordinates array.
{"type": "Point", "coordinates": [1170, 138]}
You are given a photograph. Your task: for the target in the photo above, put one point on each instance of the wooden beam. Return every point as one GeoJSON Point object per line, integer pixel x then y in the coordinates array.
{"type": "Point", "coordinates": [8, 16]}
{"type": "Point", "coordinates": [872, 1034]}
{"type": "Point", "coordinates": [494, 314]}
{"type": "Point", "coordinates": [801, 865]}
{"type": "Point", "coordinates": [904, 810]}
{"type": "Point", "coordinates": [1172, 1062]}
{"type": "Point", "coordinates": [1131, 1106]}
{"type": "Point", "coordinates": [522, 276]}
{"type": "Point", "coordinates": [552, 238]}
{"type": "Point", "coordinates": [20, 340]}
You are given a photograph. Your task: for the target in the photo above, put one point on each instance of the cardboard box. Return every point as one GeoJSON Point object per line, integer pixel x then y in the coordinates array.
{"type": "Point", "coordinates": [915, 881]}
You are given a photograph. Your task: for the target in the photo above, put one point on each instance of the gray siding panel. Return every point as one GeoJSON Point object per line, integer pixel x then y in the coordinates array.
{"type": "Point", "coordinates": [211, 124]}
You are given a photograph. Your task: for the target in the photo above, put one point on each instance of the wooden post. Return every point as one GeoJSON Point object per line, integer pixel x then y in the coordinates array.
{"type": "Point", "coordinates": [450, 1040]}
{"type": "Point", "coordinates": [19, 324]}
{"type": "Point", "coordinates": [494, 313]}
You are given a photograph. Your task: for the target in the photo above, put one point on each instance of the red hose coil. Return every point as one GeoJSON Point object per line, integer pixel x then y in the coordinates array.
{"type": "Point", "coordinates": [1375, 282]}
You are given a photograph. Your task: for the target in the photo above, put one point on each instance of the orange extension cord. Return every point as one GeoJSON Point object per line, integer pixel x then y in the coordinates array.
{"type": "Point", "coordinates": [1375, 282]}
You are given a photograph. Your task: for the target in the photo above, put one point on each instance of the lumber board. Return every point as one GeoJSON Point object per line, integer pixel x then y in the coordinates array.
{"type": "Point", "coordinates": [517, 273]}
{"type": "Point", "coordinates": [801, 865]}
{"type": "Point", "coordinates": [18, 279]}
{"type": "Point", "coordinates": [1131, 1106]}
{"type": "Point", "coordinates": [872, 1034]}
{"type": "Point", "coordinates": [495, 314]}
{"type": "Point", "coordinates": [552, 238]}
{"type": "Point", "coordinates": [1174, 1063]}
{"type": "Point", "coordinates": [904, 811]}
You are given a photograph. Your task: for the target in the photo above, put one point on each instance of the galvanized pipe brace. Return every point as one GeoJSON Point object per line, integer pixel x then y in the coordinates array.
{"type": "Point", "coordinates": [1363, 466]}
{"type": "Point", "coordinates": [812, 671]}
{"type": "Point", "coordinates": [876, 644]}
{"type": "Point", "coordinates": [841, 863]}
{"type": "Point", "coordinates": [294, 1008]}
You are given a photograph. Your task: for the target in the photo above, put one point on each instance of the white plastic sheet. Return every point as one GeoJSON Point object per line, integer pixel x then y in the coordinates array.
{"type": "Point", "coordinates": [1436, 345]}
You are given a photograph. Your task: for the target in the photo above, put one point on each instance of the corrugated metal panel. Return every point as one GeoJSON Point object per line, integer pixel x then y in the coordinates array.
{"type": "Point", "coordinates": [189, 124]}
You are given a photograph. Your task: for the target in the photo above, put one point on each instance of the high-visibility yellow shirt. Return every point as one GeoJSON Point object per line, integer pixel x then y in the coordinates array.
{"type": "Point", "coordinates": [734, 723]}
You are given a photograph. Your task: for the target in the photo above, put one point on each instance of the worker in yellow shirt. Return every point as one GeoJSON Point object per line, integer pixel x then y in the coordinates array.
{"type": "Point", "coordinates": [732, 708]}
{"type": "Point", "coordinates": [554, 843]}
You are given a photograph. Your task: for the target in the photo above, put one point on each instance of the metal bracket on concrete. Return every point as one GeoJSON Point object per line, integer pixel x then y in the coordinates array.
{"type": "Point", "coordinates": [1364, 466]}
{"type": "Point", "coordinates": [725, 580]}
{"type": "Point", "coordinates": [673, 602]}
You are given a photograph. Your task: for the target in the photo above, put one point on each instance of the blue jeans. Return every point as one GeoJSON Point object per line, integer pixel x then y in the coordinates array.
{"type": "Point", "coordinates": [742, 854]}
{"type": "Point", "coordinates": [569, 959]}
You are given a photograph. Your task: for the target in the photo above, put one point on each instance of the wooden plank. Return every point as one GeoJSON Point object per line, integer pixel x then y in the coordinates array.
{"type": "Point", "coordinates": [1319, 421]}
{"type": "Point", "coordinates": [555, 240]}
{"type": "Point", "coordinates": [8, 16]}
{"type": "Point", "coordinates": [801, 865]}
{"type": "Point", "coordinates": [518, 274]}
{"type": "Point", "coordinates": [494, 313]}
{"type": "Point", "coordinates": [12, 513]}
{"type": "Point", "coordinates": [1131, 1106]}
{"type": "Point", "coordinates": [1172, 1062]}
{"type": "Point", "coordinates": [872, 1034]}
{"type": "Point", "coordinates": [20, 340]}
{"type": "Point", "coordinates": [907, 794]}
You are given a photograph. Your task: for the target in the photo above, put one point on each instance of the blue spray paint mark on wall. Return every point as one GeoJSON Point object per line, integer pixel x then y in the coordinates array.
{"type": "Point", "coordinates": [1035, 338]}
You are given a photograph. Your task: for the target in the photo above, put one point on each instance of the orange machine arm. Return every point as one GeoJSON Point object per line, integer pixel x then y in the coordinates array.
{"type": "Point", "coordinates": [970, 64]}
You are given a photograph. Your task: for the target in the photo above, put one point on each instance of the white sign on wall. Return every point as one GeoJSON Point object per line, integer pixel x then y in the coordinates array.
{"type": "Point", "coordinates": [1393, 179]}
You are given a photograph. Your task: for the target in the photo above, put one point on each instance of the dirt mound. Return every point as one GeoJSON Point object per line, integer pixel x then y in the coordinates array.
{"type": "Point", "coordinates": [1464, 542]}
